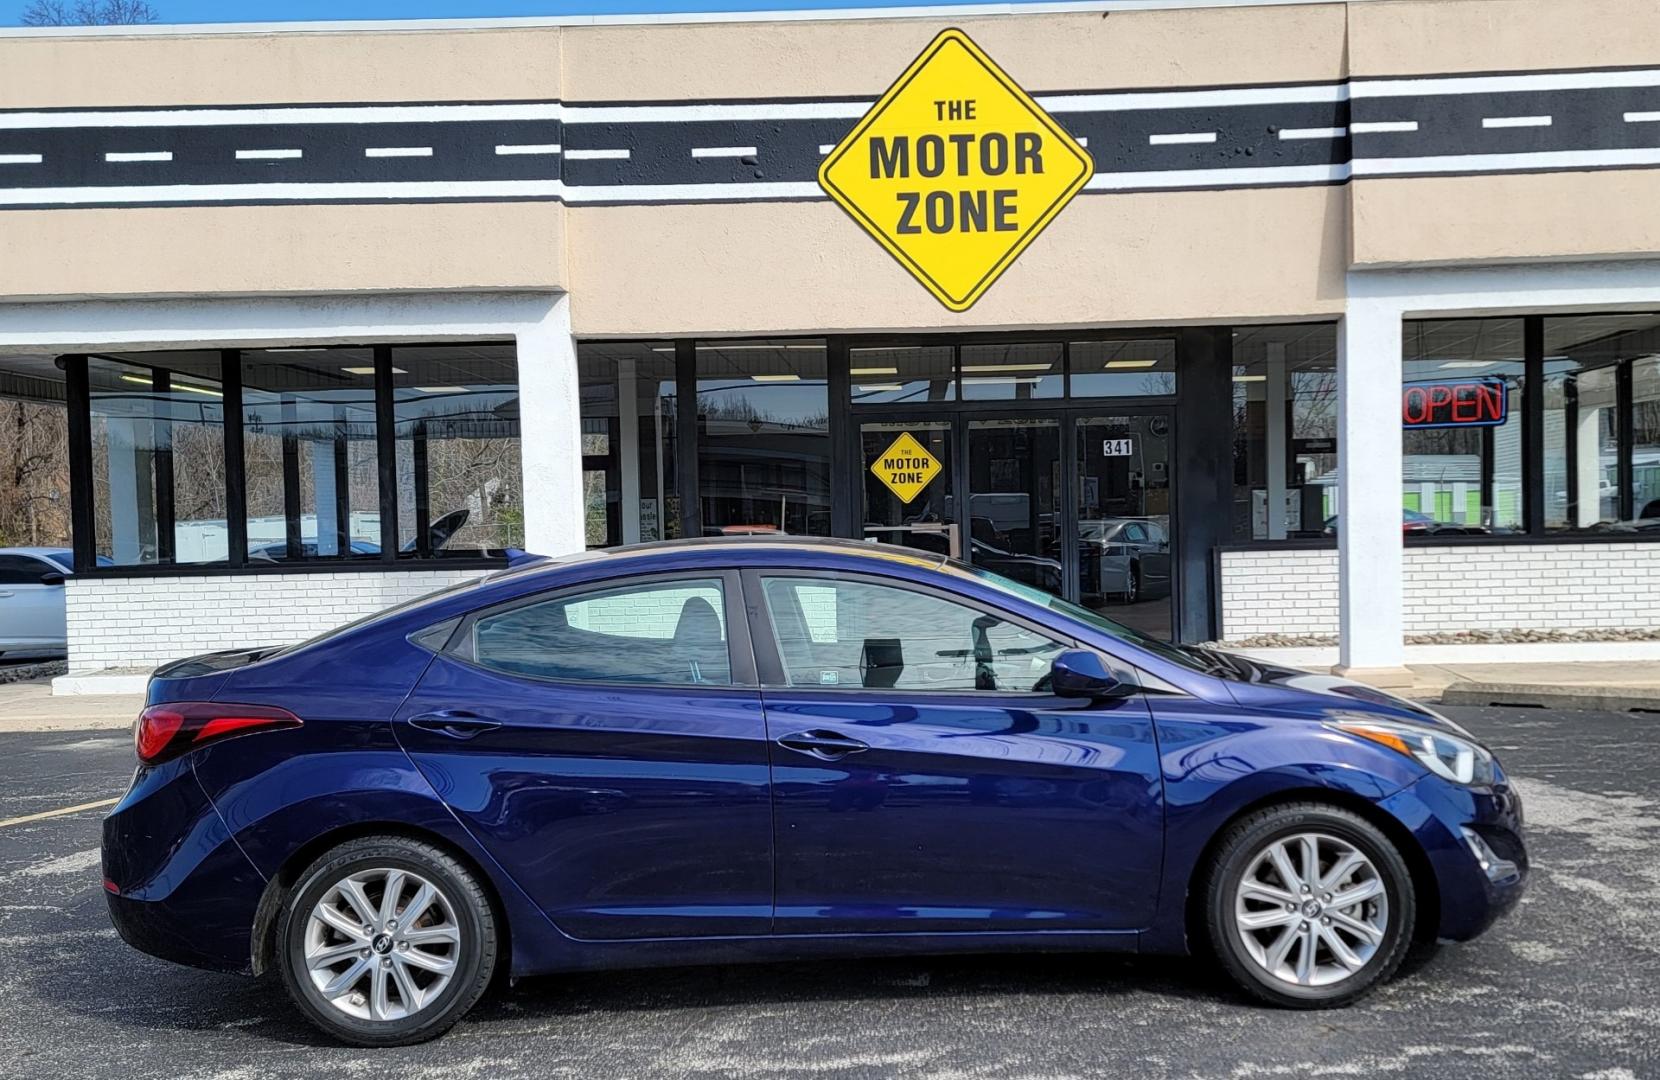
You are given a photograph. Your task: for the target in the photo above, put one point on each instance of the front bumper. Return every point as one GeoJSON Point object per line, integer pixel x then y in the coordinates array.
{"type": "Point", "coordinates": [1472, 891]}
{"type": "Point", "coordinates": [177, 884]}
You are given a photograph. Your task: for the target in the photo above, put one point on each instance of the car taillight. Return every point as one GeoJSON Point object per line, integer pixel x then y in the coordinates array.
{"type": "Point", "coordinates": [166, 731]}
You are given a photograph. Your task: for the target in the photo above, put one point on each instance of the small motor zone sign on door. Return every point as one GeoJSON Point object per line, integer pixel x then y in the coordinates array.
{"type": "Point", "coordinates": [955, 170]}
{"type": "Point", "coordinates": [906, 468]}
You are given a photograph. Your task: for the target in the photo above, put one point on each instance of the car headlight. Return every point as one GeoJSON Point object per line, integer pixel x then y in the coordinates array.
{"type": "Point", "coordinates": [1451, 757]}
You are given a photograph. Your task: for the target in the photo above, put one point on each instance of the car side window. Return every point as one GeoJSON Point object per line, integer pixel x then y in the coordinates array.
{"type": "Point", "coordinates": [1135, 532]}
{"type": "Point", "coordinates": [845, 633]}
{"type": "Point", "coordinates": [22, 570]}
{"type": "Point", "coordinates": [651, 633]}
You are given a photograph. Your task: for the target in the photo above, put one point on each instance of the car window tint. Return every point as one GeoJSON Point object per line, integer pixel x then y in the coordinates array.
{"type": "Point", "coordinates": [22, 570]}
{"type": "Point", "coordinates": [658, 633]}
{"type": "Point", "coordinates": [859, 634]}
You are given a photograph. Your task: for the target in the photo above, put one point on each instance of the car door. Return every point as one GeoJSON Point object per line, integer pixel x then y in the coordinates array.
{"type": "Point", "coordinates": [1150, 553]}
{"type": "Point", "coordinates": [925, 780]}
{"type": "Point", "coordinates": [605, 744]}
{"type": "Point", "coordinates": [31, 611]}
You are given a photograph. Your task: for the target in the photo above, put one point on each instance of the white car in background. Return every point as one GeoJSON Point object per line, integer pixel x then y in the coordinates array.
{"type": "Point", "coordinates": [31, 599]}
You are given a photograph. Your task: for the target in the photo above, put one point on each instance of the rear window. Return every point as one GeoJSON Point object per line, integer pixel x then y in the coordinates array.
{"type": "Point", "coordinates": [653, 633]}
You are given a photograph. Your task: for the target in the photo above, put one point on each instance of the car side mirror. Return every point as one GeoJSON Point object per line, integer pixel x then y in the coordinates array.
{"type": "Point", "coordinates": [51, 577]}
{"type": "Point", "coordinates": [1081, 673]}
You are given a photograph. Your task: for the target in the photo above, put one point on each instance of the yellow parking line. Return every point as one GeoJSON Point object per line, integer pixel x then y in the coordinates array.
{"type": "Point", "coordinates": [58, 812]}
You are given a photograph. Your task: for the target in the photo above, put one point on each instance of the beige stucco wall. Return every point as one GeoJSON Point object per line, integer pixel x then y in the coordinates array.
{"type": "Point", "coordinates": [253, 250]}
{"type": "Point", "coordinates": [1485, 219]}
{"type": "Point", "coordinates": [1074, 51]}
{"type": "Point", "coordinates": [1107, 260]}
{"type": "Point", "coordinates": [1443, 37]}
{"type": "Point", "coordinates": [280, 68]}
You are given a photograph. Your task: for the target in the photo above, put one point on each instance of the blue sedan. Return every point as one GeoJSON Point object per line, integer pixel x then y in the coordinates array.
{"type": "Point", "coordinates": [730, 750]}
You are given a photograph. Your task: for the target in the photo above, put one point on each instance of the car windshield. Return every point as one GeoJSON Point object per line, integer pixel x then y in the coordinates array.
{"type": "Point", "coordinates": [1195, 659]}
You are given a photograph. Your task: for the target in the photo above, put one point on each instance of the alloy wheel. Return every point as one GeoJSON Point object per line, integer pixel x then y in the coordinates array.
{"type": "Point", "coordinates": [1311, 909]}
{"type": "Point", "coordinates": [382, 944]}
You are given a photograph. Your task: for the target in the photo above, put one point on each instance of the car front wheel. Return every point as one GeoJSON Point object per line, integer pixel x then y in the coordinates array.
{"type": "Point", "coordinates": [386, 941]}
{"type": "Point", "coordinates": [1309, 906]}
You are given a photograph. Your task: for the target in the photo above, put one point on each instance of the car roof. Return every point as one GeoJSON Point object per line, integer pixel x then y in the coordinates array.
{"type": "Point", "coordinates": [708, 549]}
{"type": "Point", "coordinates": [37, 551]}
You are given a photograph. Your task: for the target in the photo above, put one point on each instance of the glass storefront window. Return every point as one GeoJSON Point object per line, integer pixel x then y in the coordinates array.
{"type": "Point", "coordinates": [1587, 359]}
{"type": "Point", "coordinates": [1464, 480]}
{"type": "Point", "coordinates": [309, 454]}
{"type": "Point", "coordinates": [1014, 372]}
{"type": "Point", "coordinates": [1123, 368]}
{"type": "Point", "coordinates": [763, 437]}
{"type": "Point", "coordinates": [460, 481]}
{"type": "Point", "coordinates": [641, 376]}
{"type": "Point", "coordinates": [1645, 442]}
{"type": "Point", "coordinates": [158, 445]}
{"type": "Point", "coordinates": [913, 375]}
{"type": "Point", "coordinates": [1285, 431]}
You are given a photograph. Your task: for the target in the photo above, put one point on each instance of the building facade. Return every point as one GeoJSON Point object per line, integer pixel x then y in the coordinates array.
{"type": "Point", "coordinates": [1349, 346]}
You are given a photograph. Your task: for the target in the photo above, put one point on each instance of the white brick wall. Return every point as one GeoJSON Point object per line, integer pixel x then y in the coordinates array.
{"type": "Point", "coordinates": [1293, 591]}
{"type": "Point", "coordinates": [140, 622]}
{"type": "Point", "coordinates": [1448, 589]}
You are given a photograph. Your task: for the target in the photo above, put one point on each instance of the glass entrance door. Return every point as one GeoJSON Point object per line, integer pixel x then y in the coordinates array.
{"type": "Point", "coordinates": [907, 471]}
{"type": "Point", "coordinates": [1077, 503]}
{"type": "Point", "coordinates": [1014, 493]}
{"type": "Point", "coordinates": [1122, 526]}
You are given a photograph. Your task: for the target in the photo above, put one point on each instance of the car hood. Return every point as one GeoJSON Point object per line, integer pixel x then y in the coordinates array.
{"type": "Point", "coordinates": [1258, 683]}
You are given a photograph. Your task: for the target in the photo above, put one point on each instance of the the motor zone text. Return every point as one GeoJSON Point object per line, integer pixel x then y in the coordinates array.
{"type": "Point", "coordinates": [903, 469]}
{"type": "Point", "coordinates": [964, 156]}
{"type": "Point", "coordinates": [1475, 402]}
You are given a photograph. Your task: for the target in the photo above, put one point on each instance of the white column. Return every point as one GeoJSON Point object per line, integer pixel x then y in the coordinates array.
{"type": "Point", "coordinates": [1587, 438]}
{"type": "Point", "coordinates": [628, 459]}
{"type": "Point", "coordinates": [1369, 556]}
{"type": "Point", "coordinates": [126, 545]}
{"type": "Point", "coordinates": [323, 494]}
{"type": "Point", "coordinates": [1276, 446]}
{"type": "Point", "coordinates": [550, 430]}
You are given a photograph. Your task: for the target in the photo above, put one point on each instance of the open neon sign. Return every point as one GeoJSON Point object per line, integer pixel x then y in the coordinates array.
{"type": "Point", "coordinates": [1446, 403]}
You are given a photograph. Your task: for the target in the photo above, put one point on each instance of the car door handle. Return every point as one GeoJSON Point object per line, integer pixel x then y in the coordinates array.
{"type": "Point", "coordinates": [456, 724]}
{"type": "Point", "coordinates": [4, 594]}
{"type": "Point", "coordinates": [822, 744]}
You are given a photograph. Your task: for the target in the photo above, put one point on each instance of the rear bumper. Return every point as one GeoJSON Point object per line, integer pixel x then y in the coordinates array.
{"type": "Point", "coordinates": [183, 889]}
{"type": "Point", "coordinates": [1442, 815]}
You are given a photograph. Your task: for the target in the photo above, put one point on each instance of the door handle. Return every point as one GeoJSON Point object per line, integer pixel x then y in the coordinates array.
{"type": "Point", "coordinates": [822, 744]}
{"type": "Point", "coordinates": [457, 724]}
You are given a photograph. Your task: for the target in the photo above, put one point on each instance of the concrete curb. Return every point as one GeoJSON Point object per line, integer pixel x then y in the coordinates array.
{"type": "Point", "coordinates": [1642, 699]}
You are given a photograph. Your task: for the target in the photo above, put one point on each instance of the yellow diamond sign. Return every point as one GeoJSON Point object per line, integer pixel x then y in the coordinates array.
{"type": "Point", "coordinates": [906, 467]}
{"type": "Point", "coordinates": [955, 170]}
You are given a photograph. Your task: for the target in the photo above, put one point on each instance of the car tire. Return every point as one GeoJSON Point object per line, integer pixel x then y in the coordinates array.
{"type": "Point", "coordinates": [1132, 584]}
{"type": "Point", "coordinates": [425, 981]}
{"type": "Point", "coordinates": [1261, 939]}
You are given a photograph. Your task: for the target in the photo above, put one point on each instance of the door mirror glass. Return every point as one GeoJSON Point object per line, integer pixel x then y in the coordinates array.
{"type": "Point", "coordinates": [1082, 673]}
{"type": "Point", "coordinates": [51, 577]}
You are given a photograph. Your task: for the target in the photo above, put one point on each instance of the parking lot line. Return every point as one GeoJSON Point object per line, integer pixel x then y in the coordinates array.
{"type": "Point", "coordinates": [60, 812]}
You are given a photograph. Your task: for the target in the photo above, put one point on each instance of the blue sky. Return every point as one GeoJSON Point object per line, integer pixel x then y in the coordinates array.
{"type": "Point", "coordinates": [188, 11]}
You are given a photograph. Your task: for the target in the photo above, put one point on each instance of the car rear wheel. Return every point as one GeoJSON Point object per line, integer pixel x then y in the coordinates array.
{"type": "Point", "coordinates": [386, 941]}
{"type": "Point", "coordinates": [1309, 906]}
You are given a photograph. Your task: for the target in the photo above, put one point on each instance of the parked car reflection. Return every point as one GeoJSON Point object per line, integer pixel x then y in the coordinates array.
{"type": "Point", "coordinates": [1124, 557]}
{"type": "Point", "coordinates": [1418, 523]}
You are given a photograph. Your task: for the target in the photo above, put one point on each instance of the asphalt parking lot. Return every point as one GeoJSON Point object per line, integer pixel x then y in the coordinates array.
{"type": "Point", "coordinates": [1565, 988]}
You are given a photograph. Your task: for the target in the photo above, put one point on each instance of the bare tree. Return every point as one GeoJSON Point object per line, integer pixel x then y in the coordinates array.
{"type": "Point", "coordinates": [88, 13]}
{"type": "Point", "coordinates": [34, 473]}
